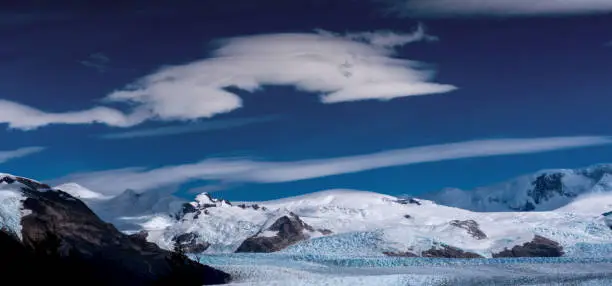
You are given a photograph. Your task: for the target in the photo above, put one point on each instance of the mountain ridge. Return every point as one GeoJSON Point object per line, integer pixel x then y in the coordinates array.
{"type": "Point", "coordinates": [46, 230]}
{"type": "Point", "coordinates": [567, 216]}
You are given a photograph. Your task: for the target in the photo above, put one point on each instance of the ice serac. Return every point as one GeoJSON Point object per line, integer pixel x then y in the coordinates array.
{"type": "Point", "coordinates": [59, 232]}
{"type": "Point", "coordinates": [546, 190]}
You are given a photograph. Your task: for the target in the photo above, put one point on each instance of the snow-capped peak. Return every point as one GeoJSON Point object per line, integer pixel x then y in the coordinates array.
{"type": "Point", "coordinates": [204, 198]}
{"type": "Point", "coordinates": [542, 191]}
{"type": "Point", "coordinates": [81, 192]}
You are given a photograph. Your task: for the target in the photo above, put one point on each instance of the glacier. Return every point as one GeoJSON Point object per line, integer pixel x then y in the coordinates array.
{"type": "Point", "coordinates": [282, 269]}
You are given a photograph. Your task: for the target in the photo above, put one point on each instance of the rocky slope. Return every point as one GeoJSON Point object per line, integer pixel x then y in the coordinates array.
{"type": "Point", "coordinates": [49, 236]}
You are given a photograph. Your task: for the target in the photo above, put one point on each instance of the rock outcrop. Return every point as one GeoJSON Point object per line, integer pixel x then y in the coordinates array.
{"type": "Point", "coordinates": [285, 231]}
{"type": "Point", "coordinates": [408, 201]}
{"type": "Point", "coordinates": [446, 251]}
{"type": "Point", "coordinates": [471, 226]}
{"type": "Point", "coordinates": [64, 242]}
{"type": "Point", "coordinates": [400, 254]}
{"type": "Point", "coordinates": [189, 243]}
{"type": "Point", "coordinates": [608, 219]}
{"type": "Point", "coordinates": [538, 247]}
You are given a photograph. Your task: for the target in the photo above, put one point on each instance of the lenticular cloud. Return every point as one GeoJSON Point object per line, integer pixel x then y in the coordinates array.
{"type": "Point", "coordinates": [335, 67]}
{"type": "Point", "coordinates": [357, 66]}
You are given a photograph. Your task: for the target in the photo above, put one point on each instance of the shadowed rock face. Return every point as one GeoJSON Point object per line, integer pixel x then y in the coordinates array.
{"type": "Point", "coordinates": [449, 252]}
{"type": "Point", "coordinates": [546, 186]}
{"type": "Point", "coordinates": [66, 243]}
{"type": "Point", "coordinates": [608, 219]}
{"type": "Point", "coordinates": [408, 201]}
{"type": "Point", "coordinates": [290, 230]}
{"type": "Point", "coordinates": [538, 247]}
{"type": "Point", "coordinates": [325, 231]}
{"type": "Point", "coordinates": [188, 243]}
{"type": "Point", "coordinates": [471, 226]}
{"type": "Point", "coordinates": [253, 206]}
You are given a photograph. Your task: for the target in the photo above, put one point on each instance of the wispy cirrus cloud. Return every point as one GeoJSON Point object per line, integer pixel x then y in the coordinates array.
{"type": "Point", "coordinates": [237, 170]}
{"type": "Point", "coordinates": [188, 128]}
{"type": "Point", "coordinates": [496, 8]}
{"type": "Point", "coordinates": [19, 116]}
{"type": "Point", "coordinates": [5, 156]}
{"type": "Point", "coordinates": [97, 61]}
{"type": "Point", "coordinates": [336, 67]}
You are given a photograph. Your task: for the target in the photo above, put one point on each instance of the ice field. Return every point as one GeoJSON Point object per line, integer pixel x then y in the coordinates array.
{"type": "Point", "coordinates": [280, 269]}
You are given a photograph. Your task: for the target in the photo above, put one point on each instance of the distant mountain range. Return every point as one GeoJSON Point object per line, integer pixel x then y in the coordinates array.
{"type": "Point", "coordinates": [542, 191]}
{"type": "Point", "coordinates": [560, 211]}
{"type": "Point", "coordinates": [550, 213]}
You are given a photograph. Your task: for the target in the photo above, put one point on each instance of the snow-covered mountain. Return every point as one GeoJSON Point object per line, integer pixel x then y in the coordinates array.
{"type": "Point", "coordinates": [542, 191]}
{"type": "Point", "coordinates": [349, 222]}
{"type": "Point", "coordinates": [44, 231]}
{"type": "Point", "coordinates": [81, 192]}
{"type": "Point", "coordinates": [549, 213]}
{"type": "Point", "coordinates": [127, 209]}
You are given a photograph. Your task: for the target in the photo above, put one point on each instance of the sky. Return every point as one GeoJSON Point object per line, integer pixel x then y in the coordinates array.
{"type": "Point", "coordinates": [269, 99]}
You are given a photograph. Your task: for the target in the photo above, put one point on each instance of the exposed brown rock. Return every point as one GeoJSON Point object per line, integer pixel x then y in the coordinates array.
{"type": "Point", "coordinates": [538, 247]}
{"type": "Point", "coordinates": [471, 226]}
{"type": "Point", "coordinates": [290, 230]}
{"type": "Point", "coordinates": [400, 254]}
{"type": "Point", "coordinates": [188, 243]}
{"type": "Point", "coordinates": [325, 231]}
{"type": "Point", "coordinates": [446, 251]}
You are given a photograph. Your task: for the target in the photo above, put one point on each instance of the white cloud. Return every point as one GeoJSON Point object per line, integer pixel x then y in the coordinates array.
{"type": "Point", "coordinates": [188, 128]}
{"type": "Point", "coordinates": [23, 117]}
{"type": "Point", "coordinates": [338, 68]}
{"type": "Point", "coordinates": [357, 66]}
{"type": "Point", "coordinates": [18, 153]}
{"type": "Point", "coordinates": [245, 170]}
{"type": "Point", "coordinates": [443, 8]}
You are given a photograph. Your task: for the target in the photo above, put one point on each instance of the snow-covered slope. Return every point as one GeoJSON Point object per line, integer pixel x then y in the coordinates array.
{"type": "Point", "coordinates": [128, 209]}
{"type": "Point", "coordinates": [543, 191]}
{"type": "Point", "coordinates": [81, 192]}
{"type": "Point", "coordinates": [368, 224]}
{"type": "Point", "coordinates": [10, 204]}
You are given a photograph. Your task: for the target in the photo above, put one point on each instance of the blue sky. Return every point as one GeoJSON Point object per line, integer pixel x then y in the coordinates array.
{"type": "Point", "coordinates": [241, 98]}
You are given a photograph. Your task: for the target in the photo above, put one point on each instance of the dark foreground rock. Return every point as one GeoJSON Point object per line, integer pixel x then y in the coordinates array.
{"type": "Point", "coordinates": [538, 247]}
{"type": "Point", "coordinates": [446, 251]}
{"type": "Point", "coordinates": [471, 226]}
{"type": "Point", "coordinates": [63, 242]}
{"type": "Point", "coordinates": [286, 231]}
